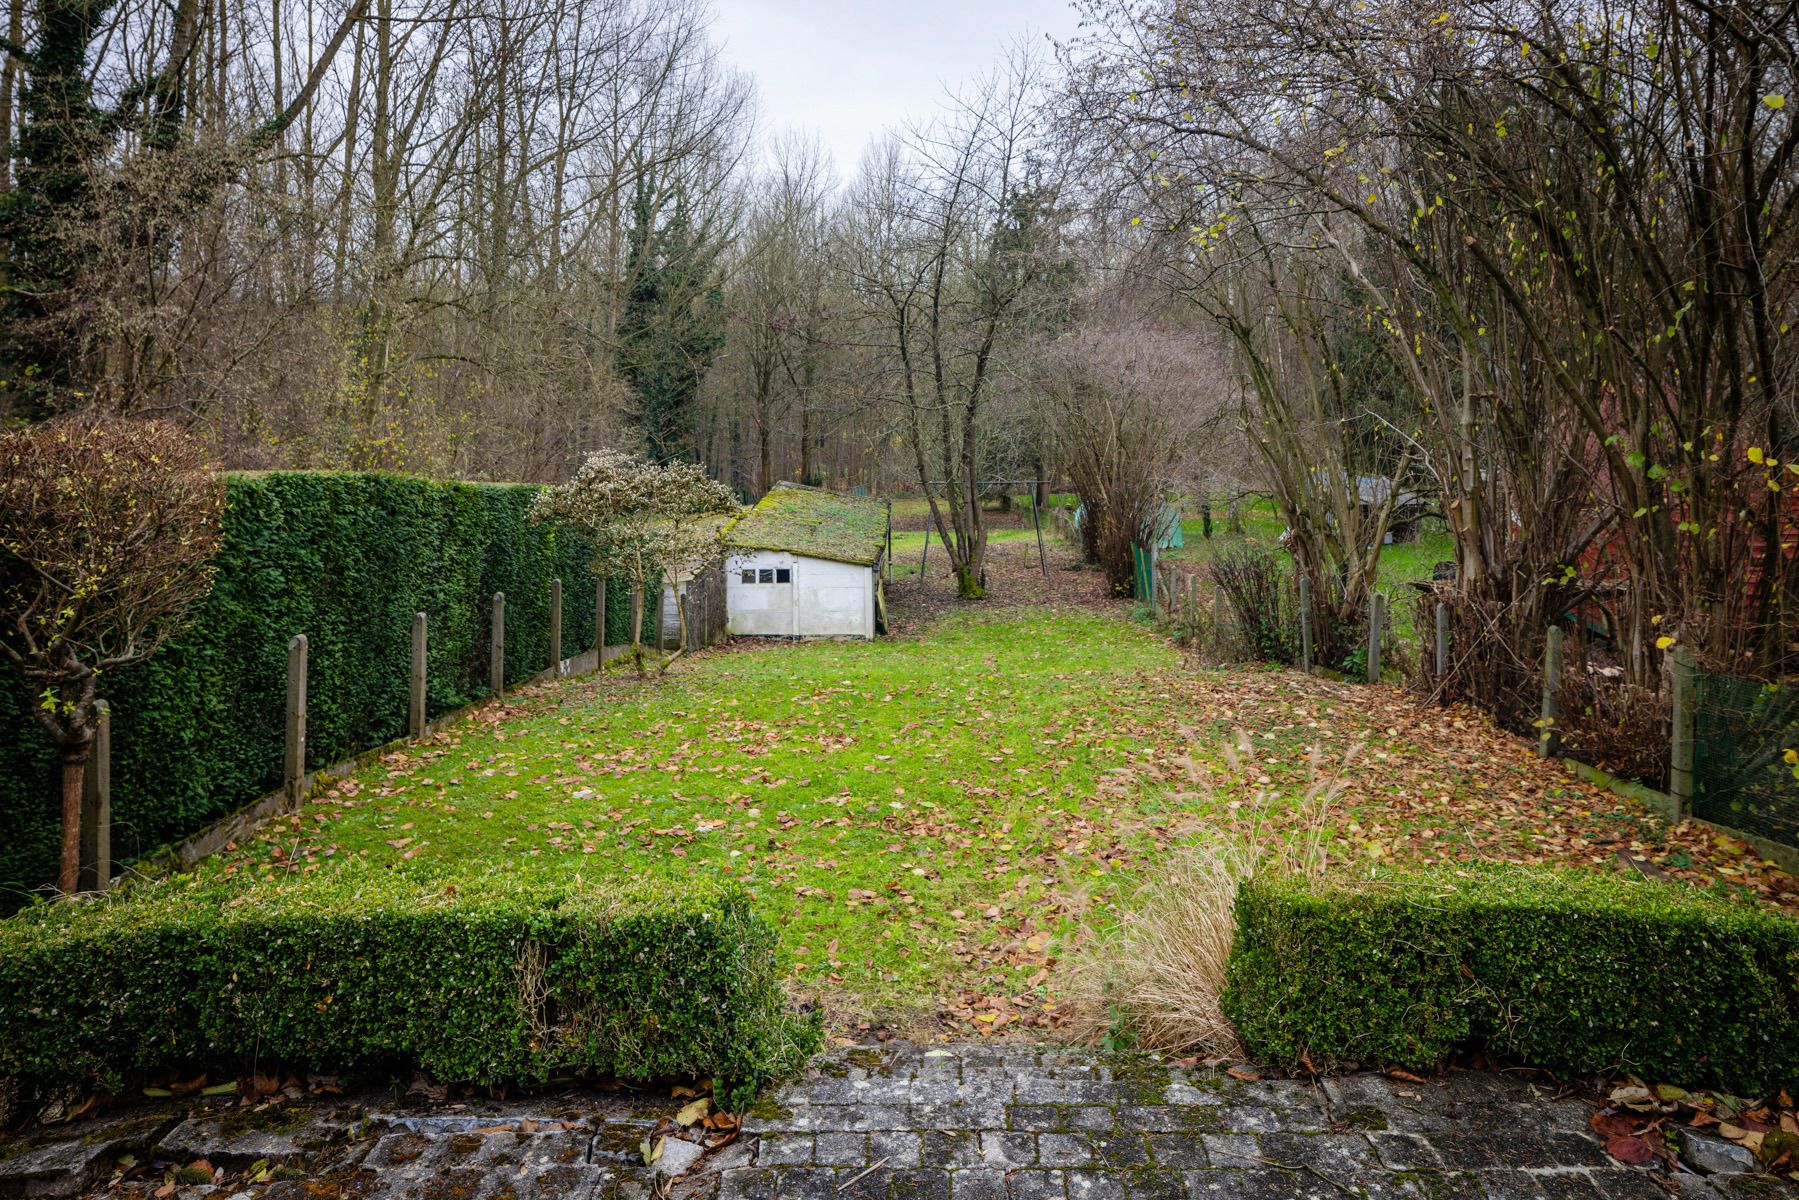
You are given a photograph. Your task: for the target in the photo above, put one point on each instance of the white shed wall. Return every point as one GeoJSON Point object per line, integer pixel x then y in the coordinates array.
{"type": "Point", "coordinates": [824, 598]}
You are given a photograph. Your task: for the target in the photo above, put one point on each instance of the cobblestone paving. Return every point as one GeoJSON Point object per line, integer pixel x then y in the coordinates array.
{"type": "Point", "coordinates": [1024, 1123]}
{"type": "Point", "coordinates": [1001, 1122]}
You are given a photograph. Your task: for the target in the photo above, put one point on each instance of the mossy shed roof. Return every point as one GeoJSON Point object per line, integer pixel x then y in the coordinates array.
{"type": "Point", "coordinates": [814, 522]}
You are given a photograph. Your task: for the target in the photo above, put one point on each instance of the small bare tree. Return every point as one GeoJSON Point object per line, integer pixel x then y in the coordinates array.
{"type": "Point", "coordinates": [107, 533]}
{"type": "Point", "coordinates": [1132, 408]}
{"type": "Point", "coordinates": [646, 520]}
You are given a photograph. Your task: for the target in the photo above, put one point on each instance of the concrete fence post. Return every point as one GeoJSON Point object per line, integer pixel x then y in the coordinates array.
{"type": "Point", "coordinates": [1305, 625]}
{"type": "Point", "coordinates": [496, 654]}
{"type": "Point", "coordinates": [1442, 640]}
{"type": "Point", "coordinates": [556, 626]}
{"type": "Point", "coordinates": [1548, 736]}
{"type": "Point", "coordinates": [1681, 750]}
{"type": "Point", "coordinates": [1377, 619]}
{"type": "Point", "coordinates": [294, 773]}
{"type": "Point", "coordinates": [96, 806]}
{"type": "Point", "coordinates": [415, 713]}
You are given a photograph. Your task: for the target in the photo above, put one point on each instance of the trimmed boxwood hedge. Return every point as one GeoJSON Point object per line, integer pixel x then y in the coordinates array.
{"type": "Point", "coordinates": [345, 558]}
{"type": "Point", "coordinates": [1572, 971]}
{"type": "Point", "coordinates": [494, 977]}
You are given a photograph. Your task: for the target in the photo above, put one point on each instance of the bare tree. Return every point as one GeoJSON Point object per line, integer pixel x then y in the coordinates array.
{"type": "Point", "coordinates": [955, 234]}
{"type": "Point", "coordinates": [1132, 405]}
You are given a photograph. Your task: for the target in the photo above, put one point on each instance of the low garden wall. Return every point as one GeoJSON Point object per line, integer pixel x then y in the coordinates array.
{"type": "Point", "coordinates": [346, 559]}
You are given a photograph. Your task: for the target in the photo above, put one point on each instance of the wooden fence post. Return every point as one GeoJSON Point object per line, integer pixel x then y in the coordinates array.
{"type": "Point", "coordinates": [1149, 577]}
{"type": "Point", "coordinates": [1305, 625]}
{"type": "Point", "coordinates": [1680, 751]}
{"type": "Point", "coordinates": [1549, 738]}
{"type": "Point", "coordinates": [599, 620]}
{"type": "Point", "coordinates": [415, 715]}
{"type": "Point", "coordinates": [1377, 616]}
{"type": "Point", "coordinates": [1442, 640]}
{"type": "Point", "coordinates": [294, 773]}
{"type": "Point", "coordinates": [556, 626]}
{"type": "Point", "coordinates": [96, 806]}
{"type": "Point", "coordinates": [496, 654]}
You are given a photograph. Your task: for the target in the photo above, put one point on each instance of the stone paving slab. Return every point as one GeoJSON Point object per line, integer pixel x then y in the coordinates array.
{"type": "Point", "coordinates": [899, 1122]}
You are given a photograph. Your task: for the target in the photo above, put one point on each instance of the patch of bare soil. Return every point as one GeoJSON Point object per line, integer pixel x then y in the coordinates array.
{"type": "Point", "coordinates": [1015, 579]}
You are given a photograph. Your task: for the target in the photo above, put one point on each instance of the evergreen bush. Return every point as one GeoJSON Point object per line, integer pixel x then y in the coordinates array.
{"type": "Point", "coordinates": [345, 558]}
{"type": "Point", "coordinates": [490, 977]}
{"type": "Point", "coordinates": [1575, 972]}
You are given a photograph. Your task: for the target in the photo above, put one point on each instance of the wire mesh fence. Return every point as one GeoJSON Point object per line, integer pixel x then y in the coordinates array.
{"type": "Point", "coordinates": [1742, 731]}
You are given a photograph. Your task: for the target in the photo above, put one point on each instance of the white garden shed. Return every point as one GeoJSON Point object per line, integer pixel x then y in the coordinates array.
{"type": "Point", "coordinates": [806, 562]}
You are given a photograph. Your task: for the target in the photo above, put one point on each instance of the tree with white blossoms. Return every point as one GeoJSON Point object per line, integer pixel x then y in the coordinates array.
{"type": "Point", "coordinates": [647, 521]}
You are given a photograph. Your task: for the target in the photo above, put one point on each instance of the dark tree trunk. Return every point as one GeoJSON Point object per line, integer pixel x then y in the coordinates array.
{"type": "Point", "coordinates": [74, 773]}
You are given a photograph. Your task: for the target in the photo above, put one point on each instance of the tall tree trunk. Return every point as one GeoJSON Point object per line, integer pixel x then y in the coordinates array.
{"type": "Point", "coordinates": [637, 589]}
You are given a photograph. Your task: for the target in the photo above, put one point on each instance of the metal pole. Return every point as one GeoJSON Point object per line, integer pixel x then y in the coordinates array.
{"type": "Point", "coordinates": [556, 626]}
{"type": "Point", "coordinates": [1548, 738]}
{"type": "Point", "coordinates": [416, 710]}
{"type": "Point", "coordinates": [1377, 613]}
{"type": "Point", "coordinates": [496, 655]}
{"type": "Point", "coordinates": [1037, 523]}
{"type": "Point", "coordinates": [1442, 640]}
{"type": "Point", "coordinates": [1681, 752]}
{"type": "Point", "coordinates": [96, 816]}
{"type": "Point", "coordinates": [1305, 625]}
{"type": "Point", "coordinates": [294, 772]}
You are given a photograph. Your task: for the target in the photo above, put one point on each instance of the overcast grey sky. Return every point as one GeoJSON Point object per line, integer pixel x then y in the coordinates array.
{"type": "Point", "coordinates": [846, 70]}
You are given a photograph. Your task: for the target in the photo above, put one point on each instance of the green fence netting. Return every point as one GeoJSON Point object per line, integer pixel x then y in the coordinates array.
{"type": "Point", "coordinates": [1742, 730]}
{"type": "Point", "coordinates": [1142, 577]}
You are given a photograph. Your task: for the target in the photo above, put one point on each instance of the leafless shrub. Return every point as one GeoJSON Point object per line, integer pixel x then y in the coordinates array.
{"type": "Point", "coordinates": [1118, 397]}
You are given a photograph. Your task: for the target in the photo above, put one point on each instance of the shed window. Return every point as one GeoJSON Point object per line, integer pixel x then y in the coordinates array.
{"type": "Point", "coordinates": [783, 575]}
{"type": "Point", "coordinates": [749, 576]}
{"type": "Point", "coordinates": [768, 575]}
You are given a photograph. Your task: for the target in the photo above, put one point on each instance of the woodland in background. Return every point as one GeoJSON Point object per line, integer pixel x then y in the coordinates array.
{"type": "Point", "coordinates": [1534, 262]}
{"type": "Point", "coordinates": [1527, 267]}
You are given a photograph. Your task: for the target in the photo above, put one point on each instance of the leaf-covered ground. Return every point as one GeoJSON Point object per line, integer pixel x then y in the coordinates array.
{"type": "Point", "coordinates": [933, 819]}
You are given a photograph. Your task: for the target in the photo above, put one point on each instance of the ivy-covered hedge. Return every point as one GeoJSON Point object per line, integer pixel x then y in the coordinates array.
{"type": "Point", "coordinates": [1575, 972]}
{"type": "Point", "coordinates": [486, 978]}
{"type": "Point", "coordinates": [346, 559]}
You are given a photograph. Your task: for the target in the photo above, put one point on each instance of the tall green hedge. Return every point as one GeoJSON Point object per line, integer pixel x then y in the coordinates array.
{"type": "Point", "coordinates": [487, 977]}
{"type": "Point", "coordinates": [346, 559]}
{"type": "Point", "coordinates": [1576, 972]}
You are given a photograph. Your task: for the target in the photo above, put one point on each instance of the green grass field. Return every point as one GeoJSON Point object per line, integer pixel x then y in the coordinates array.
{"type": "Point", "coordinates": [943, 815]}
{"type": "Point", "coordinates": [902, 808]}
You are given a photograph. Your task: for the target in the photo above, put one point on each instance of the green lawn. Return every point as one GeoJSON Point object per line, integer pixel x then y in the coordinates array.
{"type": "Point", "coordinates": [903, 808]}
{"type": "Point", "coordinates": [943, 815]}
